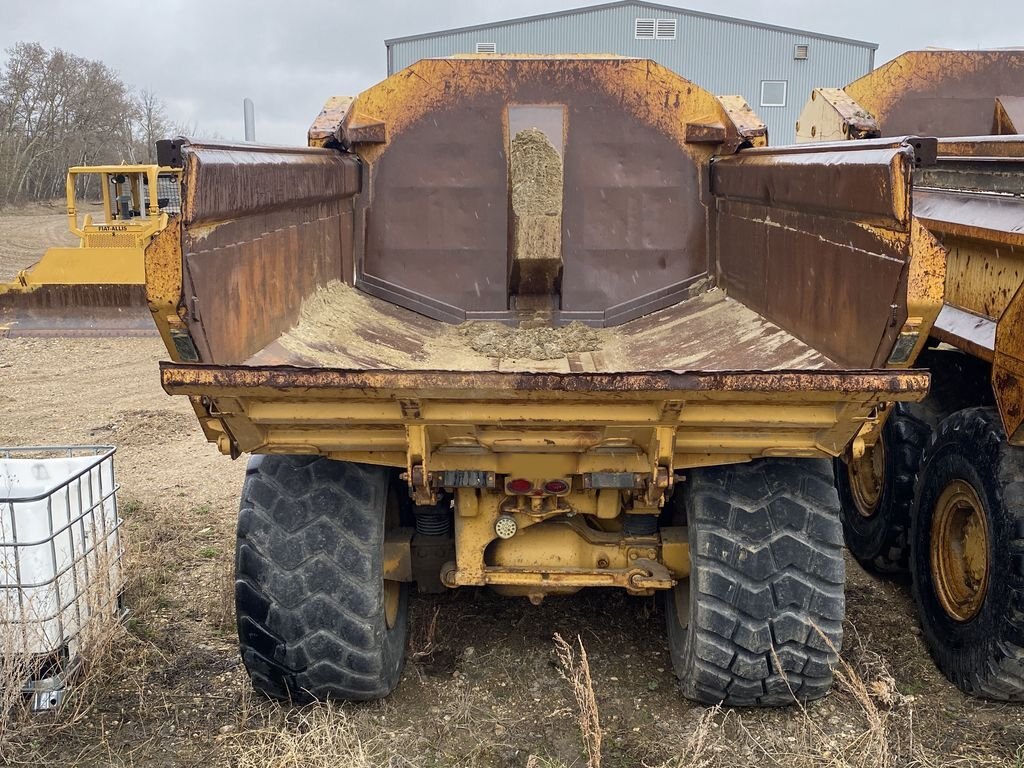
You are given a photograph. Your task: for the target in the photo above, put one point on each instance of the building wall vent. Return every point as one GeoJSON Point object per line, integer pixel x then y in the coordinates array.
{"type": "Point", "coordinates": [643, 29]}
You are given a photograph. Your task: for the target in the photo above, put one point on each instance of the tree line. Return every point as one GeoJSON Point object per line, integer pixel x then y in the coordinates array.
{"type": "Point", "coordinates": [58, 110]}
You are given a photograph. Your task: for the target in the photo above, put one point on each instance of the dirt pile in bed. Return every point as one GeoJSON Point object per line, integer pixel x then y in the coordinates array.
{"type": "Point", "coordinates": [543, 343]}
{"type": "Point", "coordinates": [339, 324]}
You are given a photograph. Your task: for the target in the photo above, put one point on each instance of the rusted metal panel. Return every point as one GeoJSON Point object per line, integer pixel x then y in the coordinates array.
{"type": "Point", "coordinates": [252, 215]}
{"type": "Point", "coordinates": [819, 242]}
{"type": "Point", "coordinates": [633, 223]}
{"type": "Point", "coordinates": [1009, 117]}
{"type": "Point", "coordinates": [224, 181]}
{"type": "Point", "coordinates": [181, 378]}
{"type": "Point", "coordinates": [831, 115]}
{"type": "Point", "coordinates": [509, 422]}
{"type": "Point", "coordinates": [163, 265]}
{"type": "Point", "coordinates": [436, 208]}
{"type": "Point", "coordinates": [995, 219]}
{"type": "Point", "coordinates": [750, 128]}
{"type": "Point", "coordinates": [340, 327]}
{"type": "Point", "coordinates": [973, 200]}
{"type": "Point", "coordinates": [363, 129]}
{"type": "Point", "coordinates": [872, 184]}
{"type": "Point", "coordinates": [940, 93]}
{"type": "Point", "coordinates": [982, 276]}
{"type": "Point", "coordinates": [705, 133]}
{"type": "Point", "coordinates": [982, 147]}
{"type": "Point", "coordinates": [1008, 368]}
{"type": "Point", "coordinates": [926, 290]}
{"type": "Point", "coordinates": [326, 128]}
{"type": "Point", "coordinates": [965, 330]}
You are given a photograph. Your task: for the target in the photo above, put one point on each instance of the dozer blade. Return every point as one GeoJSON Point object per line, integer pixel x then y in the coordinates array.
{"type": "Point", "coordinates": [76, 310]}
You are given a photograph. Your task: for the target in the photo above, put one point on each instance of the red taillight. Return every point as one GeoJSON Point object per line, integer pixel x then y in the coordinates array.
{"type": "Point", "coordinates": [519, 485]}
{"type": "Point", "coordinates": [556, 487]}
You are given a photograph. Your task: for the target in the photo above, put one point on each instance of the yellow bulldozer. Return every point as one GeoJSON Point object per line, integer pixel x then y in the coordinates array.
{"type": "Point", "coordinates": [97, 288]}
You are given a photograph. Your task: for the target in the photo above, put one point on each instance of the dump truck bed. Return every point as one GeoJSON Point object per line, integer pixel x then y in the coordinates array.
{"type": "Point", "coordinates": [468, 270]}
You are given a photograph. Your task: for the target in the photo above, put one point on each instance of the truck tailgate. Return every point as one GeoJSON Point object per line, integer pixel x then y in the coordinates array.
{"type": "Point", "coordinates": [594, 421]}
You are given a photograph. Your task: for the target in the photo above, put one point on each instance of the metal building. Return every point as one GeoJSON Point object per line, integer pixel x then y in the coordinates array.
{"type": "Point", "coordinates": [774, 68]}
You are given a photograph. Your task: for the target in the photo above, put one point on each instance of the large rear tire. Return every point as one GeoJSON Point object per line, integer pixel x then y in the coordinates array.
{"type": "Point", "coordinates": [316, 619]}
{"type": "Point", "coordinates": [876, 492]}
{"type": "Point", "coordinates": [967, 555]}
{"type": "Point", "coordinates": [760, 621]}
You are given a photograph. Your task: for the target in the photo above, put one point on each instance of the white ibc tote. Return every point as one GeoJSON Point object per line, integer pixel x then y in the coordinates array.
{"type": "Point", "coordinates": [60, 550]}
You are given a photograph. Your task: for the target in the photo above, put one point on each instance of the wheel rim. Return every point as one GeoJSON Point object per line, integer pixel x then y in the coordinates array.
{"type": "Point", "coordinates": [392, 595]}
{"type": "Point", "coordinates": [392, 589]}
{"type": "Point", "coordinates": [959, 551]}
{"type": "Point", "coordinates": [867, 478]}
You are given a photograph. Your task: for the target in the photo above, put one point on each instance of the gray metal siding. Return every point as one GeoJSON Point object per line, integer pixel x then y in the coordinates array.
{"type": "Point", "coordinates": [724, 57]}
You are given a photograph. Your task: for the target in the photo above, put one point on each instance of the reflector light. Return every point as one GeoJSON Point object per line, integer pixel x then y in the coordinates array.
{"type": "Point", "coordinates": [556, 486]}
{"type": "Point", "coordinates": [519, 485]}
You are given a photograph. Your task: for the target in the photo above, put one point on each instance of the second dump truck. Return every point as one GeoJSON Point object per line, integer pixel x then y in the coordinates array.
{"type": "Point", "coordinates": [939, 492]}
{"type": "Point", "coordinates": [542, 324]}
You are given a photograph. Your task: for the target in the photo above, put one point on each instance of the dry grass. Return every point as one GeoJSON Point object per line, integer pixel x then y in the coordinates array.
{"type": "Point", "coordinates": [576, 670]}
{"type": "Point", "coordinates": [88, 674]}
{"type": "Point", "coordinates": [424, 643]}
{"type": "Point", "coordinates": [317, 736]}
{"type": "Point", "coordinates": [875, 731]}
{"type": "Point", "coordinates": [16, 668]}
{"type": "Point", "coordinates": [221, 610]}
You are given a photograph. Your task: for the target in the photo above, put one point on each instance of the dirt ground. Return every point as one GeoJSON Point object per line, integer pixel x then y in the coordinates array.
{"type": "Point", "coordinates": [482, 684]}
{"type": "Point", "coordinates": [28, 230]}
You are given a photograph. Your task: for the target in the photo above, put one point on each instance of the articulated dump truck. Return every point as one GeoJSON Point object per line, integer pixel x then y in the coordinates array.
{"type": "Point", "coordinates": [542, 324]}
{"type": "Point", "coordinates": [940, 488]}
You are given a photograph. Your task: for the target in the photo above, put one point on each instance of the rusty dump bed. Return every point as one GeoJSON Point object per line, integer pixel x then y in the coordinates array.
{"type": "Point", "coordinates": [591, 258]}
{"type": "Point", "coordinates": [341, 327]}
{"type": "Point", "coordinates": [942, 93]}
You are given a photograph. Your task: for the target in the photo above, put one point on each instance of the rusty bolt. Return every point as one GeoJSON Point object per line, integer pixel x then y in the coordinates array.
{"type": "Point", "coordinates": [417, 476]}
{"type": "Point", "coordinates": [448, 574]}
{"type": "Point", "coordinates": [602, 562]}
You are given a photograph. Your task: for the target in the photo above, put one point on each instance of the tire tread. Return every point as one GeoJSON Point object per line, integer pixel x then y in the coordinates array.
{"type": "Point", "coordinates": [769, 582]}
{"type": "Point", "coordinates": [310, 535]}
{"type": "Point", "coordinates": [1000, 675]}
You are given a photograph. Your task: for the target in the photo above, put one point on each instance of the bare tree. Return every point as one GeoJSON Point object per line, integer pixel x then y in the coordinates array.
{"type": "Point", "coordinates": [58, 110]}
{"type": "Point", "coordinates": [153, 125]}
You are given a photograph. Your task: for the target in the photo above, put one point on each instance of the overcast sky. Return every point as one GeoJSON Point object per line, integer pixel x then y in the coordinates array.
{"type": "Point", "coordinates": [202, 57]}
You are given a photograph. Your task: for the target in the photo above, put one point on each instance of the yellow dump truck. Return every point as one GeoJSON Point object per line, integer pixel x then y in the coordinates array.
{"type": "Point", "coordinates": [941, 491]}
{"type": "Point", "coordinates": [542, 324]}
{"type": "Point", "coordinates": [96, 288]}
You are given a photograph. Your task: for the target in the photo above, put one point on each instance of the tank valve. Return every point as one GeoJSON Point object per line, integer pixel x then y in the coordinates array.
{"type": "Point", "coordinates": [506, 527]}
